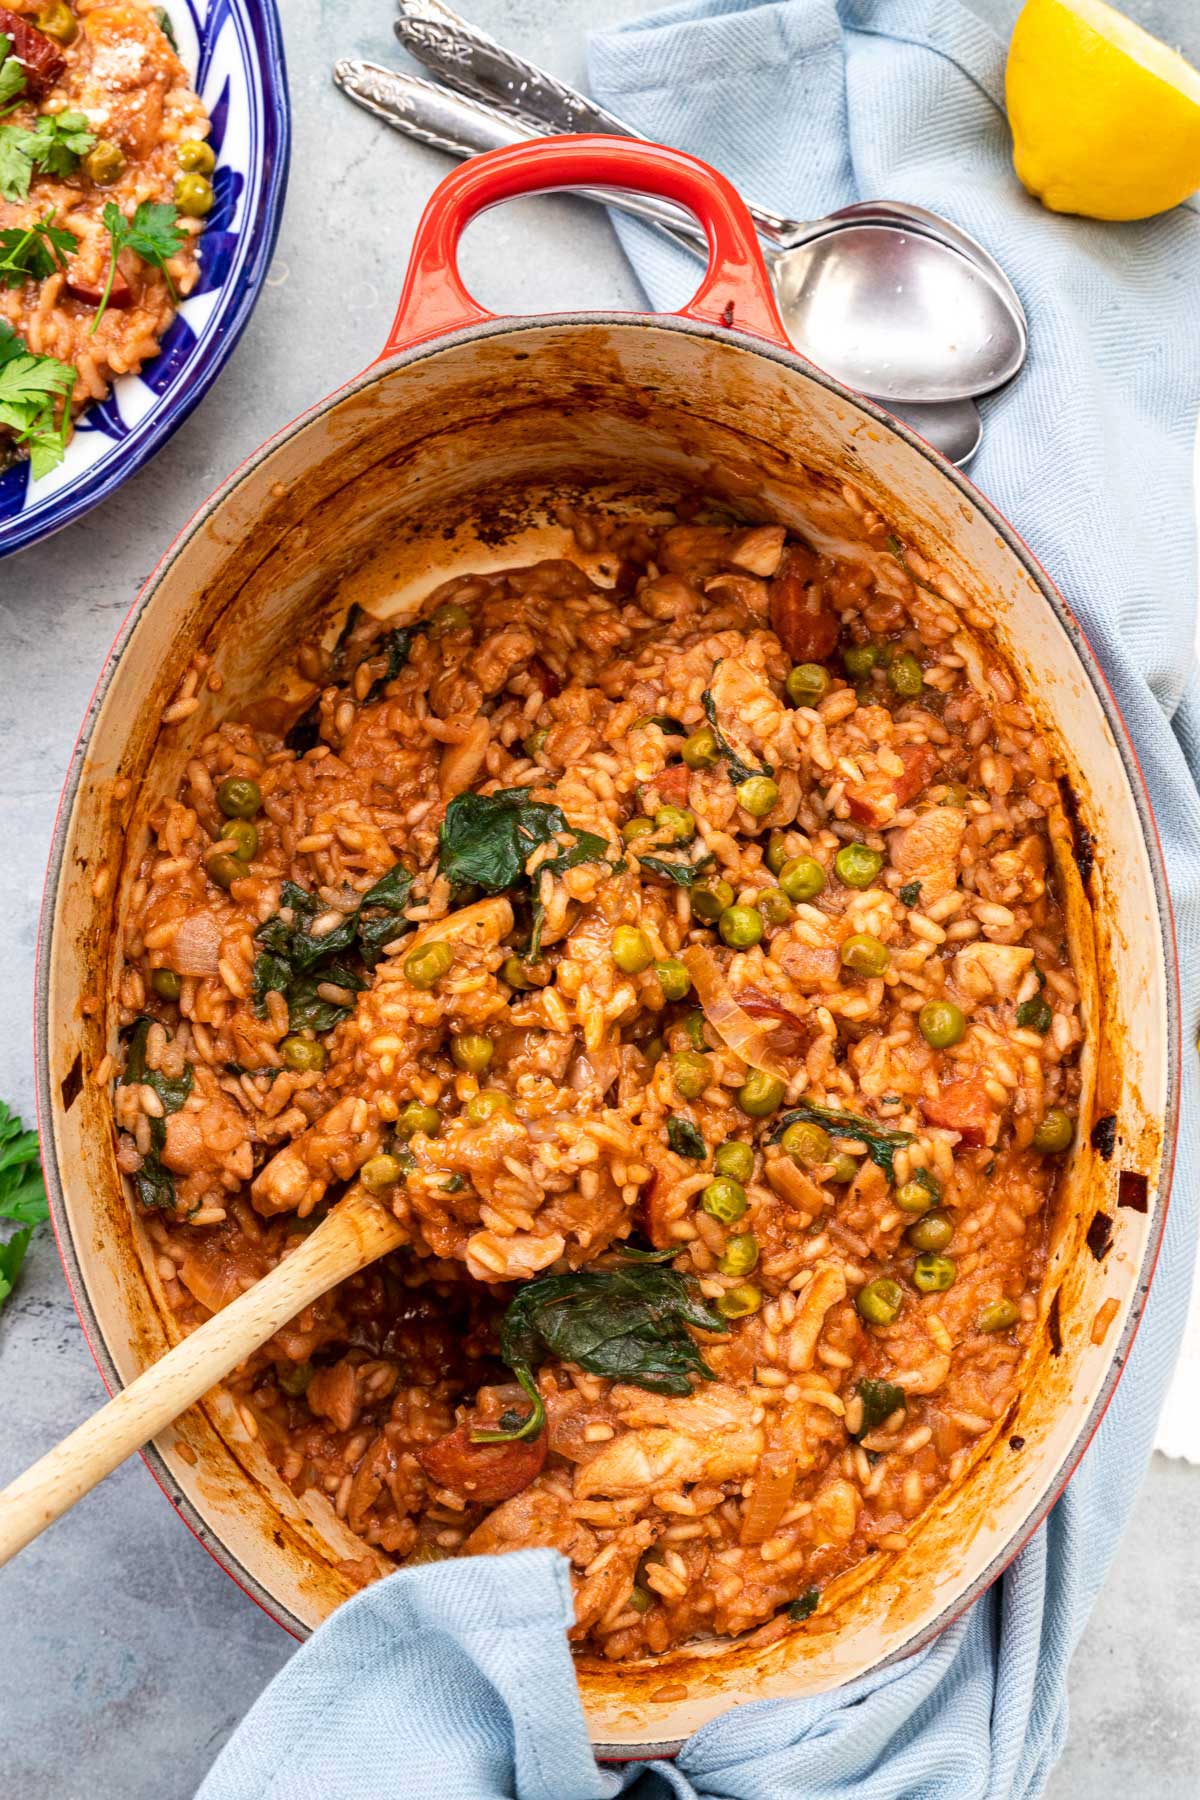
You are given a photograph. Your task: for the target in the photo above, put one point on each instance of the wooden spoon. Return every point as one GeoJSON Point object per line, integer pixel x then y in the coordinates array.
{"type": "Point", "coordinates": [357, 1231]}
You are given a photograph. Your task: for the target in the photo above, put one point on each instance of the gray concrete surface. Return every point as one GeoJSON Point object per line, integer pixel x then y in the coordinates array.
{"type": "Point", "coordinates": [126, 1656]}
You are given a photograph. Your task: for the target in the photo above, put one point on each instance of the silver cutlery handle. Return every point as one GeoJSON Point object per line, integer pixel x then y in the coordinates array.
{"type": "Point", "coordinates": [477, 65]}
{"type": "Point", "coordinates": [464, 127]}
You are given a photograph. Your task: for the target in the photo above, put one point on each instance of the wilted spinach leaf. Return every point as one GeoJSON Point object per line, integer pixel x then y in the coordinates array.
{"type": "Point", "coordinates": [910, 893]}
{"type": "Point", "coordinates": [879, 1401]}
{"type": "Point", "coordinates": [398, 642]}
{"type": "Point", "coordinates": [881, 1143]}
{"type": "Point", "coordinates": [153, 1183]}
{"type": "Point", "coordinates": [668, 726]}
{"type": "Point", "coordinates": [291, 961]}
{"type": "Point", "coordinates": [683, 874]}
{"type": "Point", "coordinates": [738, 770]}
{"type": "Point", "coordinates": [305, 734]}
{"type": "Point", "coordinates": [684, 1137]}
{"type": "Point", "coordinates": [805, 1606]}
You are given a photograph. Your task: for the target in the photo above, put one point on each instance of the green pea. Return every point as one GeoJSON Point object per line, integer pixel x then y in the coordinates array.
{"type": "Point", "coordinates": [294, 1379]}
{"type": "Point", "coordinates": [238, 797]}
{"type": "Point", "coordinates": [244, 838]}
{"type": "Point", "coordinates": [807, 684]}
{"type": "Point", "coordinates": [472, 1051]}
{"type": "Point", "coordinates": [677, 822]}
{"type": "Point", "coordinates": [224, 869]}
{"type": "Point", "coordinates": [194, 195]}
{"type": "Point", "coordinates": [488, 1105]}
{"type": "Point", "coordinates": [740, 926]}
{"type": "Point", "coordinates": [653, 1050]}
{"type": "Point", "coordinates": [417, 1117]}
{"type": "Point", "coordinates": [1035, 1015]}
{"type": "Point", "coordinates": [166, 984]}
{"type": "Point", "coordinates": [631, 950]}
{"type": "Point", "coordinates": [302, 1054]}
{"type": "Point", "coordinates": [640, 1598]}
{"type": "Point", "coordinates": [380, 1172]}
{"type": "Point", "coordinates": [933, 1274]}
{"type": "Point", "coordinates": [104, 163]}
{"type": "Point", "coordinates": [673, 978]}
{"type": "Point", "coordinates": [690, 1073]}
{"type": "Point", "coordinates": [448, 617]}
{"type": "Point", "coordinates": [758, 796]}
{"type": "Point", "coordinates": [1055, 1132]}
{"type": "Point", "coordinates": [934, 1232]}
{"type": "Point", "coordinates": [776, 855]}
{"type": "Point", "coordinates": [845, 1168]}
{"type": "Point", "coordinates": [741, 1254]}
{"type": "Point", "coordinates": [857, 866]}
{"type": "Point", "coordinates": [740, 1301]}
{"type": "Point", "coordinates": [735, 1159]}
{"type": "Point", "coordinates": [520, 974]}
{"type": "Point", "coordinates": [905, 677]}
{"type": "Point", "coordinates": [915, 1197]}
{"type": "Point", "coordinates": [999, 1315]}
{"type": "Point", "coordinates": [941, 1023]}
{"type": "Point", "coordinates": [802, 878]}
{"type": "Point", "coordinates": [775, 906]}
{"type": "Point", "coordinates": [859, 660]}
{"type": "Point", "coordinates": [760, 1094]}
{"type": "Point", "coordinates": [633, 829]}
{"type": "Point", "coordinates": [694, 1026]}
{"type": "Point", "coordinates": [195, 157]}
{"type": "Point", "coordinates": [535, 743]}
{"type": "Point", "coordinates": [880, 1302]}
{"type": "Point", "coordinates": [700, 751]}
{"type": "Point", "coordinates": [806, 1143]}
{"type": "Point", "coordinates": [724, 1199]}
{"type": "Point", "coordinates": [863, 954]}
{"type": "Point", "coordinates": [711, 899]}
{"type": "Point", "coordinates": [426, 966]}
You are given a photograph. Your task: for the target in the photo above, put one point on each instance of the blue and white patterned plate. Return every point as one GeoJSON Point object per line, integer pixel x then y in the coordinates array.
{"type": "Point", "coordinates": [234, 52]}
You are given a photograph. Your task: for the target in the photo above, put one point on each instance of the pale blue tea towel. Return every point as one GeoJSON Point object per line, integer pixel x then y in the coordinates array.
{"type": "Point", "coordinates": [453, 1682]}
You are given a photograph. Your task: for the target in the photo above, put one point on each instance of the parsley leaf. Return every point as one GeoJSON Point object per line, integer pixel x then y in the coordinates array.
{"type": "Point", "coordinates": [53, 145]}
{"type": "Point", "coordinates": [12, 72]}
{"type": "Point", "coordinates": [162, 19]}
{"type": "Point", "coordinates": [153, 234]}
{"type": "Point", "coordinates": [32, 252]}
{"type": "Point", "coordinates": [22, 1194]}
{"type": "Point", "coordinates": [910, 893]}
{"type": "Point", "coordinates": [30, 388]}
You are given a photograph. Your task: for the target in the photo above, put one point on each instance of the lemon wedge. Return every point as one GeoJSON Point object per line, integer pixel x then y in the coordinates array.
{"type": "Point", "coordinates": [1105, 118]}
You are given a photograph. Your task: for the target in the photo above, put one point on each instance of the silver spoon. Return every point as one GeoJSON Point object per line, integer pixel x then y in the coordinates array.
{"type": "Point", "coordinates": [917, 309]}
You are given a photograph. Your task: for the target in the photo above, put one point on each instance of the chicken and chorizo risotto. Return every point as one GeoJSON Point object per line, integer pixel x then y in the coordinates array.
{"type": "Point", "coordinates": [669, 936]}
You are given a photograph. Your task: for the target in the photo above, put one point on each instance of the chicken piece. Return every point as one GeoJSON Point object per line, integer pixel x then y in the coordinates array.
{"type": "Point", "coordinates": [334, 1149]}
{"type": "Point", "coordinates": [198, 1137]}
{"type": "Point", "coordinates": [826, 1290]}
{"type": "Point", "coordinates": [815, 968]}
{"type": "Point", "coordinates": [499, 656]}
{"type": "Point", "coordinates": [461, 762]}
{"type": "Point", "coordinates": [716, 1406]}
{"type": "Point", "coordinates": [877, 799]}
{"type": "Point", "coordinates": [538, 1517]}
{"type": "Point", "coordinates": [835, 1513]}
{"type": "Point", "coordinates": [760, 550]}
{"type": "Point", "coordinates": [490, 1257]}
{"type": "Point", "coordinates": [695, 549]}
{"type": "Point", "coordinates": [801, 616]}
{"type": "Point", "coordinates": [609, 1588]}
{"type": "Point", "coordinates": [334, 1394]}
{"type": "Point", "coordinates": [655, 1457]}
{"type": "Point", "coordinates": [927, 852]}
{"type": "Point", "coordinates": [668, 597]}
{"type": "Point", "coordinates": [986, 971]}
{"type": "Point", "coordinates": [966, 1107]}
{"type": "Point", "coordinates": [546, 1053]}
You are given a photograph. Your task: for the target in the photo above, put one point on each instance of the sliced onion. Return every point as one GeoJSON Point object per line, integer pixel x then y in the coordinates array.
{"type": "Point", "coordinates": [774, 1482]}
{"type": "Point", "coordinates": [730, 1020]}
{"type": "Point", "coordinates": [196, 945]}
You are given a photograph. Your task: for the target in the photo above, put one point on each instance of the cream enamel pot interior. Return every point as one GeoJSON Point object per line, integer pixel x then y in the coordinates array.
{"type": "Point", "coordinates": [452, 450]}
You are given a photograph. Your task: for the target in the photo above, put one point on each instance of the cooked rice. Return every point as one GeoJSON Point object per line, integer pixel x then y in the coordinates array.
{"type": "Point", "coordinates": [682, 1516]}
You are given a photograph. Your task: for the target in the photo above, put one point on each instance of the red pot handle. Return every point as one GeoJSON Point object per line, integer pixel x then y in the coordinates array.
{"type": "Point", "coordinates": [735, 289]}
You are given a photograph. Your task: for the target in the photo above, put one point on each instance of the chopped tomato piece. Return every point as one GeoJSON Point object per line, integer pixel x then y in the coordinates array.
{"type": "Point", "coordinates": [93, 291]}
{"type": "Point", "coordinates": [965, 1107]}
{"type": "Point", "coordinates": [876, 801]}
{"type": "Point", "coordinates": [486, 1472]}
{"type": "Point", "coordinates": [792, 1035]}
{"type": "Point", "coordinates": [672, 782]}
{"type": "Point", "coordinates": [44, 61]}
{"type": "Point", "coordinates": [801, 617]}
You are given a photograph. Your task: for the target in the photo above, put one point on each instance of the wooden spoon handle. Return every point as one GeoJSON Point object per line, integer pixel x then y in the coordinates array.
{"type": "Point", "coordinates": [356, 1232]}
